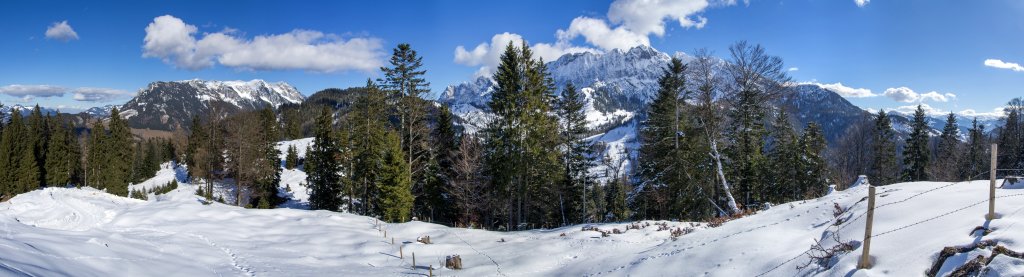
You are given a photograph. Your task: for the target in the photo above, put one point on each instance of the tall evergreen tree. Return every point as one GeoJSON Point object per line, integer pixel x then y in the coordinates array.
{"type": "Point", "coordinates": [434, 200]}
{"type": "Point", "coordinates": [976, 160]}
{"type": "Point", "coordinates": [396, 198]}
{"type": "Point", "coordinates": [916, 154]}
{"type": "Point", "coordinates": [577, 157]}
{"type": "Point", "coordinates": [117, 164]}
{"type": "Point", "coordinates": [291, 160]}
{"type": "Point", "coordinates": [813, 181]}
{"type": "Point", "coordinates": [324, 180]}
{"type": "Point", "coordinates": [784, 153]}
{"type": "Point", "coordinates": [1011, 136]}
{"type": "Point", "coordinates": [664, 160]}
{"type": "Point", "coordinates": [96, 157]}
{"type": "Point", "coordinates": [11, 150]}
{"type": "Point", "coordinates": [947, 152]}
{"type": "Point", "coordinates": [39, 137]}
{"type": "Point", "coordinates": [62, 154]}
{"type": "Point", "coordinates": [370, 120]}
{"type": "Point", "coordinates": [404, 81]}
{"type": "Point", "coordinates": [616, 202]}
{"type": "Point", "coordinates": [521, 153]}
{"type": "Point", "coordinates": [884, 166]}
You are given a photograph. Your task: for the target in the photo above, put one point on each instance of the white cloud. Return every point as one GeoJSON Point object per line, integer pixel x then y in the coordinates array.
{"type": "Point", "coordinates": [599, 34]}
{"type": "Point", "coordinates": [1003, 65]}
{"type": "Point", "coordinates": [928, 110]}
{"type": "Point", "coordinates": [61, 31]}
{"type": "Point", "coordinates": [30, 91]}
{"type": "Point", "coordinates": [486, 54]}
{"type": "Point", "coordinates": [629, 23]}
{"type": "Point", "coordinates": [177, 43]}
{"type": "Point", "coordinates": [646, 17]}
{"type": "Point", "coordinates": [995, 113]}
{"type": "Point", "coordinates": [97, 94]}
{"type": "Point", "coordinates": [791, 69]}
{"type": "Point", "coordinates": [907, 95]}
{"type": "Point", "coordinates": [846, 91]}
{"type": "Point", "coordinates": [861, 3]}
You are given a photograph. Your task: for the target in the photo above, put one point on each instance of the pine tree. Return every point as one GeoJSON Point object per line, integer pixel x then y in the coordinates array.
{"type": "Point", "coordinates": [663, 159]}
{"type": "Point", "coordinates": [267, 169]}
{"type": "Point", "coordinates": [617, 209]}
{"type": "Point", "coordinates": [884, 166]}
{"type": "Point", "coordinates": [947, 152]}
{"type": "Point", "coordinates": [11, 144]}
{"type": "Point", "coordinates": [117, 165]}
{"type": "Point", "coordinates": [433, 200]}
{"type": "Point", "coordinates": [404, 81]}
{"type": "Point", "coordinates": [96, 157]}
{"type": "Point", "coordinates": [577, 156]}
{"type": "Point", "coordinates": [39, 137]}
{"type": "Point", "coordinates": [323, 179]}
{"type": "Point", "coordinates": [975, 161]}
{"type": "Point", "coordinates": [1011, 137]}
{"type": "Point", "coordinates": [785, 152]}
{"type": "Point", "coordinates": [916, 154]}
{"type": "Point", "coordinates": [813, 180]}
{"type": "Point", "coordinates": [60, 159]}
{"type": "Point", "coordinates": [370, 121]}
{"type": "Point", "coordinates": [396, 198]}
{"type": "Point", "coordinates": [521, 155]}
{"type": "Point", "coordinates": [292, 159]}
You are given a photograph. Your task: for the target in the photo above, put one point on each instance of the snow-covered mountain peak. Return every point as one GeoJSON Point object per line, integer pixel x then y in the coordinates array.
{"type": "Point", "coordinates": [162, 105]}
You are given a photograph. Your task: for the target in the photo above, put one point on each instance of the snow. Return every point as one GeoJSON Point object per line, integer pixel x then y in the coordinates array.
{"type": "Point", "coordinates": [85, 232]}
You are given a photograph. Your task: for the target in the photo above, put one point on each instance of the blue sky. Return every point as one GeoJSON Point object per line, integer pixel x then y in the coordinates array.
{"type": "Point", "coordinates": [950, 55]}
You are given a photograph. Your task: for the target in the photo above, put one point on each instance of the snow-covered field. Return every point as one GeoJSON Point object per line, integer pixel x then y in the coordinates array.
{"type": "Point", "coordinates": [85, 232]}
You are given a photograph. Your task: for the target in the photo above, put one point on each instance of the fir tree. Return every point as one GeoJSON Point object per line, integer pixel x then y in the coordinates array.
{"type": "Point", "coordinates": [117, 164]}
{"type": "Point", "coordinates": [617, 209]}
{"type": "Point", "coordinates": [96, 157]}
{"type": "Point", "coordinates": [521, 153]}
{"type": "Point", "coordinates": [292, 159]}
{"type": "Point", "coordinates": [884, 166]}
{"type": "Point", "coordinates": [663, 161]}
{"type": "Point", "coordinates": [577, 158]}
{"type": "Point", "coordinates": [433, 201]}
{"type": "Point", "coordinates": [323, 179]}
{"type": "Point", "coordinates": [813, 181]}
{"type": "Point", "coordinates": [976, 160]}
{"type": "Point", "coordinates": [404, 81]}
{"type": "Point", "coordinates": [916, 154]}
{"type": "Point", "coordinates": [11, 150]}
{"type": "Point", "coordinates": [396, 198]}
{"type": "Point", "coordinates": [785, 152]}
{"type": "Point", "coordinates": [370, 122]}
{"type": "Point", "coordinates": [947, 152]}
{"type": "Point", "coordinates": [60, 160]}
{"type": "Point", "coordinates": [1011, 136]}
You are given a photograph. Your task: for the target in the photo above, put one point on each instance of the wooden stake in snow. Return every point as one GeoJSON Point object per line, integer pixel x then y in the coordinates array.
{"type": "Point", "coordinates": [992, 185]}
{"type": "Point", "coordinates": [865, 259]}
{"type": "Point", "coordinates": [414, 260]}
{"type": "Point", "coordinates": [400, 255]}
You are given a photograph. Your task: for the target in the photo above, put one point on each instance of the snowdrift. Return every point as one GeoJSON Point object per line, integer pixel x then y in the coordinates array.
{"type": "Point", "coordinates": [84, 232]}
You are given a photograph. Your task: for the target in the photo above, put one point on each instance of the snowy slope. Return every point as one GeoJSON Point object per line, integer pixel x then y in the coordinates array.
{"type": "Point", "coordinates": [83, 232]}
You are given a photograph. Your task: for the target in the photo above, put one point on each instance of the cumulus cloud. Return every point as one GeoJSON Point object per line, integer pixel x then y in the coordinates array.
{"type": "Point", "coordinates": [907, 95]}
{"type": "Point", "coordinates": [486, 54]}
{"type": "Point", "coordinates": [629, 23]}
{"type": "Point", "coordinates": [791, 69]}
{"type": "Point", "coordinates": [177, 43]}
{"type": "Point", "coordinates": [861, 3]}
{"type": "Point", "coordinates": [97, 94]}
{"type": "Point", "coordinates": [61, 31]}
{"type": "Point", "coordinates": [844, 90]}
{"type": "Point", "coordinates": [1003, 65]}
{"type": "Point", "coordinates": [30, 91]}
{"type": "Point", "coordinates": [928, 110]}
{"type": "Point", "coordinates": [646, 17]}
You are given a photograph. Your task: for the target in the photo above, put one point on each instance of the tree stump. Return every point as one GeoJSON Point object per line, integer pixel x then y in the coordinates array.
{"type": "Point", "coordinates": [453, 262]}
{"type": "Point", "coordinates": [424, 239]}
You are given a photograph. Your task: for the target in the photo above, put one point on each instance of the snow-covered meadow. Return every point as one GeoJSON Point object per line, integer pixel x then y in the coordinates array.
{"type": "Point", "coordinates": [84, 232]}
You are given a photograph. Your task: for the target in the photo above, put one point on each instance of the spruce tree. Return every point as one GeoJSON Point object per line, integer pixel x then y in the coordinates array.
{"type": "Point", "coordinates": [324, 181]}
{"type": "Point", "coordinates": [11, 149]}
{"type": "Point", "coordinates": [1011, 136]}
{"type": "Point", "coordinates": [96, 157]}
{"type": "Point", "coordinates": [617, 209]}
{"type": "Point", "coordinates": [117, 165]}
{"type": "Point", "coordinates": [60, 157]}
{"type": "Point", "coordinates": [433, 200]}
{"type": "Point", "coordinates": [916, 154]}
{"type": "Point", "coordinates": [396, 198]}
{"type": "Point", "coordinates": [785, 152]}
{"type": "Point", "coordinates": [39, 137]}
{"type": "Point", "coordinates": [813, 181]}
{"type": "Point", "coordinates": [884, 165]}
{"type": "Point", "coordinates": [577, 157]}
{"type": "Point", "coordinates": [521, 142]}
{"type": "Point", "coordinates": [976, 160]}
{"type": "Point", "coordinates": [404, 81]}
{"type": "Point", "coordinates": [663, 161]}
{"type": "Point", "coordinates": [292, 159]}
{"type": "Point", "coordinates": [947, 152]}
{"type": "Point", "coordinates": [370, 121]}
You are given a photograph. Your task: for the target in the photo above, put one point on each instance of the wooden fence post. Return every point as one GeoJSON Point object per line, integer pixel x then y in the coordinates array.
{"type": "Point", "coordinates": [400, 254]}
{"type": "Point", "coordinates": [865, 258]}
{"type": "Point", "coordinates": [413, 259]}
{"type": "Point", "coordinates": [992, 185]}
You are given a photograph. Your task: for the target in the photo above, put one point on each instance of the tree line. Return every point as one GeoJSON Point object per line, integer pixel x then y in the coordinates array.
{"type": "Point", "coordinates": [49, 151]}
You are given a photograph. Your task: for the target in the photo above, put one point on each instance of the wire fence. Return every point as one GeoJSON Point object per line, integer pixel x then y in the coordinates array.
{"type": "Point", "coordinates": [847, 223]}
